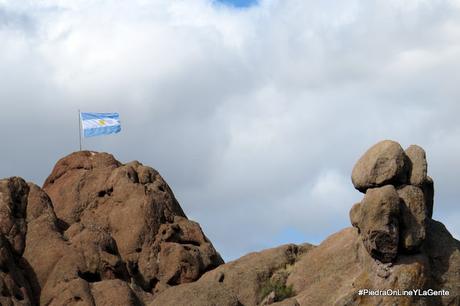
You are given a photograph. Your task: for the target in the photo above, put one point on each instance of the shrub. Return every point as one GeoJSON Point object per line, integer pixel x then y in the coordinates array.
{"type": "Point", "coordinates": [281, 290]}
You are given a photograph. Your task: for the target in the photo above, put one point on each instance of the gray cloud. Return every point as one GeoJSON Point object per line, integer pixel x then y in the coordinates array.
{"type": "Point", "coordinates": [255, 117]}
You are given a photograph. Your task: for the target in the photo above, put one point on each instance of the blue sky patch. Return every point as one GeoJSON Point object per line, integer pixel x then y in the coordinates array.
{"type": "Point", "coordinates": [238, 3]}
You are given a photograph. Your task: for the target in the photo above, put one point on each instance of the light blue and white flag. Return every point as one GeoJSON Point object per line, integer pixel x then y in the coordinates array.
{"type": "Point", "coordinates": [95, 124]}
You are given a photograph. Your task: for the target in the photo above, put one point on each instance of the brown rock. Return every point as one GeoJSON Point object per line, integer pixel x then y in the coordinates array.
{"type": "Point", "coordinates": [240, 282]}
{"type": "Point", "coordinates": [333, 272]}
{"type": "Point", "coordinates": [101, 233]}
{"type": "Point", "coordinates": [413, 218]}
{"type": "Point", "coordinates": [378, 223]}
{"type": "Point", "coordinates": [66, 264]}
{"type": "Point", "coordinates": [417, 156]}
{"type": "Point", "coordinates": [15, 287]}
{"type": "Point", "coordinates": [197, 294]}
{"type": "Point", "coordinates": [183, 254]}
{"type": "Point", "coordinates": [327, 271]}
{"type": "Point", "coordinates": [13, 204]}
{"type": "Point", "coordinates": [355, 215]}
{"type": "Point", "coordinates": [384, 163]}
{"type": "Point", "coordinates": [443, 252]}
{"type": "Point", "coordinates": [126, 224]}
{"type": "Point", "coordinates": [114, 293]}
{"type": "Point", "coordinates": [44, 243]}
{"type": "Point", "coordinates": [80, 162]}
{"type": "Point", "coordinates": [117, 236]}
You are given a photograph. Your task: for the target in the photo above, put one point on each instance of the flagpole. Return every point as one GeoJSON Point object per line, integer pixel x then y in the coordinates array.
{"type": "Point", "coordinates": [79, 127]}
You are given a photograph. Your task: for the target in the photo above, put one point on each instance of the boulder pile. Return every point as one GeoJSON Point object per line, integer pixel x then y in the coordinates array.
{"type": "Point", "coordinates": [398, 201]}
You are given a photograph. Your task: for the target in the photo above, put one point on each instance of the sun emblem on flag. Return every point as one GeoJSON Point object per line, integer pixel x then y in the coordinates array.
{"type": "Point", "coordinates": [101, 122]}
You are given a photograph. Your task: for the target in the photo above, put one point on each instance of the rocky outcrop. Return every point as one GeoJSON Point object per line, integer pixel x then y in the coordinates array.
{"type": "Point", "coordinates": [393, 244]}
{"type": "Point", "coordinates": [101, 232]}
{"type": "Point", "coordinates": [335, 271]}
{"type": "Point", "coordinates": [246, 281]}
{"type": "Point", "coordinates": [396, 244]}
{"type": "Point", "coordinates": [398, 199]}
{"type": "Point", "coordinates": [98, 233]}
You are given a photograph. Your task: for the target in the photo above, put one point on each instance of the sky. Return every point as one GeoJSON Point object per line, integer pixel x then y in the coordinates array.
{"type": "Point", "coordinates": [237, 3]}
{"type": "Point", "coordinates": [254, 113]}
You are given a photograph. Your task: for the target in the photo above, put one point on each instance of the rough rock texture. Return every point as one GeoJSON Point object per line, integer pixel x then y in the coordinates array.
{"type": "Point", "coordinates": [333, 272]}
{"type": "Point", "coordinates": [13, 203]}
{"type": "Point", "coordinates": [414, 217]}
{"type": "Point", "coordinates": [330, 274]}
{"type": "Point", "coordinates": [98, 233]}
{"type": "Point", "coordinates": [15, 287]}
{"type": "Point", "coordinates": [240, 282]}
{"type": "Point", "coordinates": [391, 221]}
{"type": "Point", "coordinates": [378, 222]}
{"type": "Point", "coordinates": [384, 163]}
{"type": "Point", "coordinates": [394, 245]}
{"type": "Point", "coordinates": [419, 165]}
{"type": "Point", "coordinates": [104, 233]}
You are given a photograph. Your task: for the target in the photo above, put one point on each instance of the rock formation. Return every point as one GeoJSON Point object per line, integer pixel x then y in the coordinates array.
{"type": "Point", "coordinates": [101, 232]}
{"type": "Point", "coordinates": [98, 233]}
{"type": "Point", "coordinates": [398, 199]}
{"type": "Point", "coordinates": [394, 245]}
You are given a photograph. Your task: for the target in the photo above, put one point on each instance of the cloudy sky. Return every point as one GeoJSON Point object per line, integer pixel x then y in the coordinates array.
{"type": "Point", "coordinates": [254, 112]}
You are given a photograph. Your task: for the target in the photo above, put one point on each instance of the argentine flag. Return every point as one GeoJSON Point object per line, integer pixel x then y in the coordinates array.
{"type": "Point", "coordinates": [95, 124]}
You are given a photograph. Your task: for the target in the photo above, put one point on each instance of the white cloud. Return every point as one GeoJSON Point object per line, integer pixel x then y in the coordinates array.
{"type": "Point", "coordinates": [254, 116]}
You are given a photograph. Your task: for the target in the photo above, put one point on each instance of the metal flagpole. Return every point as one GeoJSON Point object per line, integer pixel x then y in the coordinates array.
{"type": "Point", "coordinates": [79, 127]}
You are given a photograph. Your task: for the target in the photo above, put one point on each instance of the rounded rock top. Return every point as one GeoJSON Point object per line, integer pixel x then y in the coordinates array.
{"type": "Point", "coordinates": [384, 163]}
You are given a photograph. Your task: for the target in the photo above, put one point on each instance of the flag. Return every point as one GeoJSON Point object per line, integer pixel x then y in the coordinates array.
{"type": "Point", "coordinates": [95, 124]}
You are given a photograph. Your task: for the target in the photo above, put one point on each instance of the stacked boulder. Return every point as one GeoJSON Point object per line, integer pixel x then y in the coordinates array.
{"type": "Point", "coordinates": [393, 216]}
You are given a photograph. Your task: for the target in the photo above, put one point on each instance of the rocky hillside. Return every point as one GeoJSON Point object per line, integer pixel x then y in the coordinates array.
{"type": "Point", "coordinates": [103, 233]}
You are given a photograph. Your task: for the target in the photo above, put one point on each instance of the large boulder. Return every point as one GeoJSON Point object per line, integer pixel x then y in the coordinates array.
{"type": "Point", "coordinates": [378, 222]}
{"type": "Point", "coordinates": [384, 163]}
